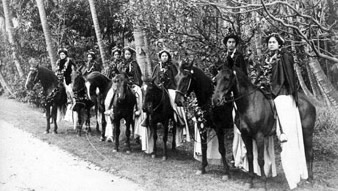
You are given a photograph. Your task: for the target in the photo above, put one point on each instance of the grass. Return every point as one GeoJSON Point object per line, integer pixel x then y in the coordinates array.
{"type": "Point", "coordinates": [178, 172]}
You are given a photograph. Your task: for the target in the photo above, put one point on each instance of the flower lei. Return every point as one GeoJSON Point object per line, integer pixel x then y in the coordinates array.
{"type": "Point", "coordinates": [197, 114]}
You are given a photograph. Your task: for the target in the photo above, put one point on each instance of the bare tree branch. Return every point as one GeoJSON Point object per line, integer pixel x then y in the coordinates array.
{"type": "Point", "coordinates": [310, 42]}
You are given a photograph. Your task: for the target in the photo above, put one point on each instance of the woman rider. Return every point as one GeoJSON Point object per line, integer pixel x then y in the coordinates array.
{"type": "Point", "coordinates": [164, 75]}
{"type": "Point", "coordinates": [91, 64]}
{"type": "Point", "coordinates": [64, 68]}
{"type": "Point", "coordinates": [282, 82]}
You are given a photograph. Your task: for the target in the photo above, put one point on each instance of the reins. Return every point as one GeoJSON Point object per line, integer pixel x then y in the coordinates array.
{"type": "Point", "coordinates": [233, 99]}
{"type": "Point", "coordinates": [162, 99]}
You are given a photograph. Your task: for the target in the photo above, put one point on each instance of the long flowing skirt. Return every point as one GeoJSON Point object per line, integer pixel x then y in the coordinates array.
{"type": "Point", "coordinates": [180, 113]}
{"type": "Point", "coordinates": [293, 154]}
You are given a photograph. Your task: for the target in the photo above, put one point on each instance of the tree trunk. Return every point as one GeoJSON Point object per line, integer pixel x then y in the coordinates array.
{"type": "Point", "coordinates": [5, 85]}
{"type": "Point", "coordinates": [314, 85]}
{"type": "Point", "coordinates": [11, 38]}
{"type": "Point", "coordinates": [325, 85]}
{"type": "Point", "coordinates": [141, 45]}
{"type": "Point", "coordinates": [98, 33]}
{"type": "Point", "coordinates": [50, 48]}
{"type": "Point", "coordinates": [301, 81]}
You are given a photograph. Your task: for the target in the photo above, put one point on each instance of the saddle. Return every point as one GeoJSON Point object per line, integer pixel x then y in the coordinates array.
{"type": "Point", "coordinates": [268, 95]}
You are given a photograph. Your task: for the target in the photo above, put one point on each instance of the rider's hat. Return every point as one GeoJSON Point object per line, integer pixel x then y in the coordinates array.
{"type": "Point", "coordinates": [279, 39]}
{"type": "Point", "coordinates": [92, 53]}
{"type": "Point", "coordinates": [166, 51]}
{"type": "Point", "coordinates": [233, 36]}
{"type": "Point", "coordinates": [64, 50]}
{"type": "Point", "coordinates": [130, 49]}
{"type": "Point", "coordinates": [116, 49]}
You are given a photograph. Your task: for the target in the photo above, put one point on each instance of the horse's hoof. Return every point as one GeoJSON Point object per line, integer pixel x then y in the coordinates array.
{"type": "Point", "coordinates": [153, 156]}
{"type": "Point", "coordinates": [248, 185]}
{"type": "Point", "coordinates": [46, 132]}
{"type": "Point", "coordinates": [102, 139]}
{"type": "Point", "coordinates": [225, 177]}
{"type": "Point", "coordinates": [199, 172]}
{"type": "Point", "coordinates": [109, 140]}
{"type": "Point", "coordinates": [55, 132]}
{"type": "Point", "coordinates": [115, 150]}
{"type": "Point", "coordinates": [164, 158]}
{"type": "Point", "coordinates": [128, 151]}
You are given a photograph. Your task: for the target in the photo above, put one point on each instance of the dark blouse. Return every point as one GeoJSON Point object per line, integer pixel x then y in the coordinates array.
{"type": "Point", "coordinates": [64, 69]}
{"type": "Point", "coordinates": [164, 74]}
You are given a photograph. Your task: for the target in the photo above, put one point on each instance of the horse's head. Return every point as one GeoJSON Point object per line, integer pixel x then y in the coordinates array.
{"type": "Point", "coordinates": [183, 81]}
{"type": "Point", "coordinates": [152, 96]}
{"type": "Point", "coordinates": [120, 84]}
{"type": "Point", "coordinates": [225, 80]}
{"type": "Point", "coordinates": [33, 77]}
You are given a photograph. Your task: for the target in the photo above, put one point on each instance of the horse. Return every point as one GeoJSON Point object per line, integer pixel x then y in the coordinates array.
{"type": "Point", "coordinates": [123, 108]}
{"type": "Point", "coordinates": [82, 105]}
{"type": "Point", "coordinates": [156, 104]}
{"type": "Point", "coordinates": [256, 118]}
{"type": "Point", "coordinates": [53, 90]}
{"type": "Point", "coordinates": [97, 86]}
{"type": "Point", "coordinates": [192, 79]}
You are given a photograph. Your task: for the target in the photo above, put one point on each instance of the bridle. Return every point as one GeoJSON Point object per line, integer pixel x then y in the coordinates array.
{"type": "Point", "coordinates": [35, 69]}
{"type": "Point", "coordinates": [184, 93]}
{"type": "Point", "coordinates": [162, 97]}
{"type": "Point", "coordinates": [233, 98]}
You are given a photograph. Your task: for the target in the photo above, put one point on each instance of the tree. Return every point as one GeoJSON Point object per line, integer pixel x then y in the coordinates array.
{"type": "Point", "coordinates": [141, 41]}
{"type": "Point", "coordinates": [11, 38]}
{"type": "Point", "coordinates": [46, 31]}
{"type": "Point", "coordinates": [97, 31]}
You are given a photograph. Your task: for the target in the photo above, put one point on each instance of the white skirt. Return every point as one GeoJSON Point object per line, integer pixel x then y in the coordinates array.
{"type": "Point", "coordinates": [293, 154]}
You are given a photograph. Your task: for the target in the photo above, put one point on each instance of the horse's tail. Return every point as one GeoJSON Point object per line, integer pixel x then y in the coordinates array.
{"type": "Point", "coordinates": [61, 112]}
{"type": "Point", "coordinates": [87, 84]}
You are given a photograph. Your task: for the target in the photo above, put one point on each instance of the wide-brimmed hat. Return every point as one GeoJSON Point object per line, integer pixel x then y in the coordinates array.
{"type": "Point", "coordinates": [278, 37]}
{"type": "Point", "coordinates": [92, 54]}
{"type": "Point", "coordinates": [166, 51]}
{"type": "Point", "coordinates": [225, 40]}
{"type": "Point", "coordinates": [64, 50]}
{"type": "Point", "coordinates": [115, 49]}
{"type": "Point", "coordinates": [130, 49]}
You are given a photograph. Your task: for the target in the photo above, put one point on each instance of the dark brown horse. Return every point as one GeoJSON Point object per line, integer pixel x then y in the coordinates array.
{"type": "Point", "coordinates": [82, 105]}
{"type": "Point", "coordinates": [97, 86]}
{"type": "Point", "coordinates": [255, 116]}
{"type": "Point", "coordinates": [53, 90]}
{"type": "Point", "coordinates": [192, 79]}
{"type": "Point", "coordinates": [123, 108]}
{"type": "Point", "coordinates": [156, 104]}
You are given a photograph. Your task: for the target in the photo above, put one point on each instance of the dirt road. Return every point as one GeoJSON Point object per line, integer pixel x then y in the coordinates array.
{"type": "Point", "coordinates": [27, 163]}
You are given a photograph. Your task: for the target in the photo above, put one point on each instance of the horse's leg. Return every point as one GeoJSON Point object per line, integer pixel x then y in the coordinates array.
{"type": "Point", "coordinates": [98, 120]}
{"type": "Point", "coordinates": [48, 118]}
{"type": "Point", "coordinates": [128, 124]}
{"type": "Point", "coordinates": [88, 130]}
{"type": "Point", "coordinates": [221, 147]}
{"type": "Point", "coordinates": [173, 147]}
{"type": "Point", "coordinates": [154, 126]}
{"type": "Point", "coordinates": [248, 144]}
{"type": "Point", "coordinates": [307, 136]}
{"type": "Point", "coordinates": [103, 124]}
{"type": "Point", "coordinates": [204, 146]}
{"type": "Point", "coordinates": [54, 115]}
{"type": "Point", "coordinates": [116, 133]}
{"type": "Point", "coordinates": [260, 158]}
{"type": "Point", "coordinates": [76, 121]}
{"type": "Point", "coordinates": [165, 139]}
{"type": "Point", "coordinates": [308, 117]}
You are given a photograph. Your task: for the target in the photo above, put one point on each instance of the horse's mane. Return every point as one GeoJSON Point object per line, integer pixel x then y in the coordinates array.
{"type": "Point", "coordinates": [242, 78]}
{"type": "Point", "coordinates": [47, 75]}
{"type": "Point", "coordinates": [203, 85]}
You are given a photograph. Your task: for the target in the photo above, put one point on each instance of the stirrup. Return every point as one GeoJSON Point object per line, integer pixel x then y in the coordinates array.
{"type": "Point", "coordinates": [283, 138]}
